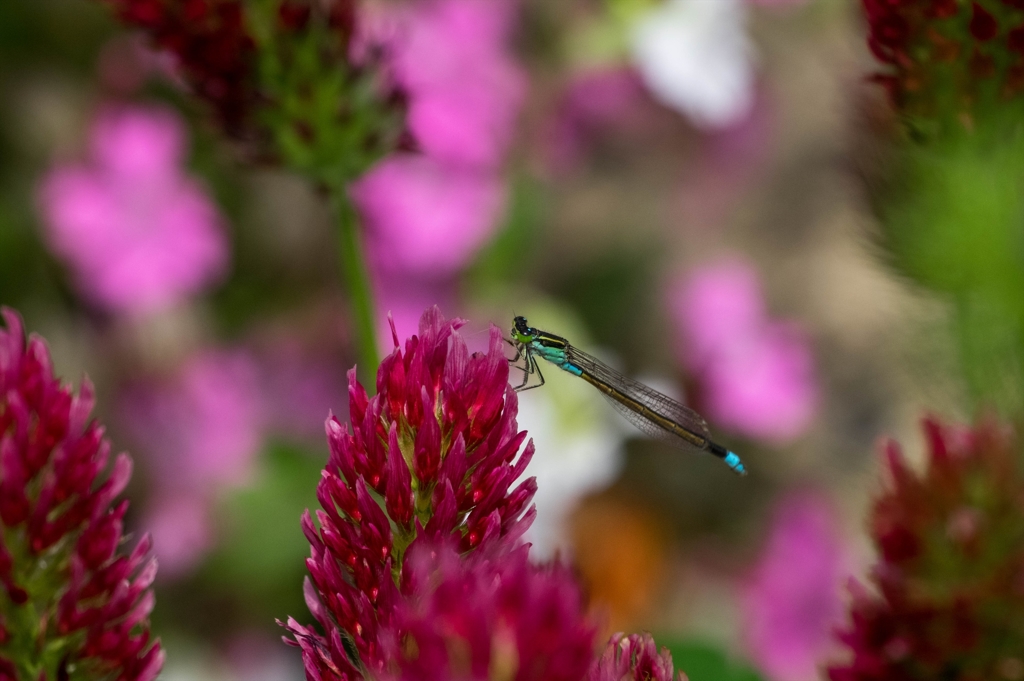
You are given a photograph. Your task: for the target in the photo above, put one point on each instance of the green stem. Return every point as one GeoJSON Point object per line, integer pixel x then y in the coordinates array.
{"type": "Point", "coordinates": [356, 279]}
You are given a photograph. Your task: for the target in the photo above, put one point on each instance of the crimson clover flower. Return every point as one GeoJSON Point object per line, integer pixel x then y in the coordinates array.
{"type": "Point", "coordinates": [433, 455]}
{"type": "Point", "coordinates": [416, 569]}
{"type": "Point", "coordinates": [490, 615]}
{"type": "Point", "coordinates": [73, 606]}
{"type": "Point", "coordinates": [633, 658]}
{"type": "Point", "coordinates": [293, 79]}
{"type": "Point", "coordinates": [213, 49]}
{"type": "Point", "coordinates": [949, 59]}
{"type": "Point", "coordinates": [949, 598]}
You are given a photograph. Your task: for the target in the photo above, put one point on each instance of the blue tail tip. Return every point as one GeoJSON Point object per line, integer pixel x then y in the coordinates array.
{"type": "Point", "coordinates": [733, 462]}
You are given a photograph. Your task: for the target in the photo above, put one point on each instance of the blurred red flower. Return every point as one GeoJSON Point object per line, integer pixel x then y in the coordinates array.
{"type": "Point", "coordinates": [433, 456]}
{"type": "Point", "coordinates": [211, 44]}
{"type": "Point", "coordinates": [945, 59]}
{"type": "Point", "coordinates": [950, 576]}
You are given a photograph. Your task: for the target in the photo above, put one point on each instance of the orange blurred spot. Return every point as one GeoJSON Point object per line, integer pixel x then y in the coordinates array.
{"type": "Point", "coordinates": [621, 553]}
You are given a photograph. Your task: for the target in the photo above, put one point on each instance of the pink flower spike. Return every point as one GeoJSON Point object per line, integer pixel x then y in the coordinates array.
{"type": "Point", "coordinates": [793, 599]}
{"type": "Point", "coordinates": [58, 511]}
{"type": "Point", "coordinates": [432, 460]}
{"type": "Point", "coordinates": [485, 616]}
{"type": "Point", "coordinates": [137, 233]}
{"type": "Point", "coordinates": [183, 532]}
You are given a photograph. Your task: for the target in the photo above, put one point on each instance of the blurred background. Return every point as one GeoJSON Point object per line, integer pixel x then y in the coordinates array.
{"type": "Point", "coordinates": [676, 187]}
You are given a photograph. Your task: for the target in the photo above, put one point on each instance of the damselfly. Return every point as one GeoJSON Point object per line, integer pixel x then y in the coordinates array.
{"type": "Point", "coordinates": [655, 414]}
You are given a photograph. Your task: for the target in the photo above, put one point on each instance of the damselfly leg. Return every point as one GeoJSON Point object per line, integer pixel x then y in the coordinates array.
{"type": "Point", "coordinates": [531, 369]}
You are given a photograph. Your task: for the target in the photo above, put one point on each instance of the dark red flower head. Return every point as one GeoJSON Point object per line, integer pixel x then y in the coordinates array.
{"type": "Point", "coordinates": [948, 60]}
{"type": "Point", "coordinates": [211, 44]}
{"type": "Point", "coordinates": [488, 615]}
{"type": "Point", "coordinates": [433, 457]}
{"type": "Point", "coordinates": [284, 76]}
{"type": "Point", "coordinates": [70, 598]}
{"type": "Point", "coordinates": [950, 574]}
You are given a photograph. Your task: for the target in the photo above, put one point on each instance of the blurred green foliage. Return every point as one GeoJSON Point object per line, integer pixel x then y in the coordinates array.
{"type": "Point", "coordinates": [706, 662]}
{"type": "Point", "coordinates": [326, 117]}
{"type": "Point", "coordinates": [953, 221]}
{"type": "Point", "coordinates": [255, 573]}
{"type": "Point", "coordinates": [262, 556]}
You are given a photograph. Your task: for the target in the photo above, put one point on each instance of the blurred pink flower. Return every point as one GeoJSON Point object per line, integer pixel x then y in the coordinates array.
{"type": "Point", "coordinates": [201, 432]}
{"type": "Point", "coordinates": [763, 385]}
{"type": "Point", "coordinates": [713, 305]}
{"type": "Point", "coordinates": [182, 531]}
{"type": "Point", "coordinates": [299, 390]}
{"type": "Point", "coordinates": [205, 428]}
{"type": "Point", "coordinates": [427, 214]}
{"type": "Point", "coordinates": [426, 218]}
{"type": "Point", "coordinates": [137, 233]}
{"type": "Point", "coordinates": [592, 101]}
{"type": "Point", "coordinates": [756, 375]}
{"type": "Point", "coordinates": [451, 57]}
{"type": "Point", "coordinates": [197, 433]}
{"type": "Point", "coordinates": [793, 598]}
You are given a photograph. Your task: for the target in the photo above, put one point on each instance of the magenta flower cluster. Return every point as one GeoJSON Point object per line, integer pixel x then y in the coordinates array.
{"type": "Point", "coordinates": [416, 569]}
{"type": "Point", "coordinates": [495, 609]}
{"type": "Point", "coordinates": [633, 657]}
{"type": "Point", "coordinates": [199, 432]}
{"type": "Point", "coordinates": [70, 599]}
{"type": "Point", "coordinates": [793, 600]}
{"type": "Point", "coordinates": [137, 233]}
{"type": "Point", "coordinates": [440, 449]}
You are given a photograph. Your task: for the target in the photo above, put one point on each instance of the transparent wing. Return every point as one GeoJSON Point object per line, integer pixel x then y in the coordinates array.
{"type": "Point", "coordinates": [661, 404]}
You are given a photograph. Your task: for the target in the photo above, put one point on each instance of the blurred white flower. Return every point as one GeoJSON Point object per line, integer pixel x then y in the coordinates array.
{"type": "Point", "coordinates": [579, 450]}
{"type": "Point", "coordinates": [579, 440]}
{"type": "Point", "coordinates": [695, 56]}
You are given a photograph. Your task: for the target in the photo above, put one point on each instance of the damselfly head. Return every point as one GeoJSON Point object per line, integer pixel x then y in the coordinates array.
{"type": "Point", "coordinates": [521, 331]}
